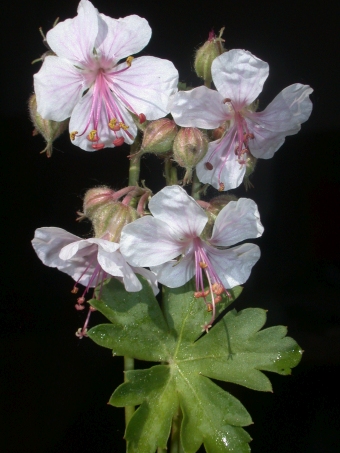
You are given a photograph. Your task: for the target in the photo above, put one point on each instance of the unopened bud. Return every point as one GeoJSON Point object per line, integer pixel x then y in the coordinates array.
{"type": "Point", "coordinates": [206, 54]}
{"type": "Point", "coordinates": [49, 129]}
{"type": "Point", "coordinates": [190, 146]}
{"type": "Point", "coordinates": [159, 136]}
{"type": "Point", "coordinates": [214, 207]}
{"type": "Point", "coordinates": [107, 214]}
{"type": "Point", "coordinates": [250, 167]}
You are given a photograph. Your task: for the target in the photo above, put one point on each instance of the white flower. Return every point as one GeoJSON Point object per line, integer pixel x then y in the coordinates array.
{"type": "Point", "coordinates": [86, 82]}
{"type": "Point", "coordinates": [239, 77]}
{"type": "Point", "coordinates": [88, 261]}
{"type": "Point", "coordinates": [170, 242]}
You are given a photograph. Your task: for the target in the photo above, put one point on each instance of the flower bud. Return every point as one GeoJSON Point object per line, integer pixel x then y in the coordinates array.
{"type": "Point", "coordinates": [49, 129]}
{"type": "Point", "coordinates": [214, 207]}
{"type": "Point", "coordinates": [190, 146]}
{"type": "Point", "coordinates": [206, 54]}
{"type": "Point", "coordinates": [159, 136]}
{"type": "Point", "coordinates": [107, 214]}
{"type": "Point", "coordinates": [250, 167]}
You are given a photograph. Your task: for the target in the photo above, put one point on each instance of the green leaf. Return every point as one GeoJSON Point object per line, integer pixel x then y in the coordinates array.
{"type": "Point", "coordinates": [234, 350]}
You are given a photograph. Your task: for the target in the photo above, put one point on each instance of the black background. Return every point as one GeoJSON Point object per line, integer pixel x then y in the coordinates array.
{"type": "Point", "coordinates": [55, 386]}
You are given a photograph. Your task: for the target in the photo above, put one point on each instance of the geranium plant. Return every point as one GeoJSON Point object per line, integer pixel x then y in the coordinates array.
{"type": "Point", "coordinates": [187, 249]}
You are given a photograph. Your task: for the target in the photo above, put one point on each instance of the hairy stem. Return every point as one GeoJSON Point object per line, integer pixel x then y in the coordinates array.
{"type": "Point", "coordinates": [176, 446]}
{"type": "Point", "coordinates": [129, 364]}
{"type": "Point", "coordinates": [195, 188]}
{"type": "Point", "coordinates": [170, 172]}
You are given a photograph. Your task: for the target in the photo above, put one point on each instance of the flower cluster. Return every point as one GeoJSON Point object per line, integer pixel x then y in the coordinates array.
{"type": "Point", "coordinates": [91, 77]}
{"type": "Point", "coordinates": [87, 80]}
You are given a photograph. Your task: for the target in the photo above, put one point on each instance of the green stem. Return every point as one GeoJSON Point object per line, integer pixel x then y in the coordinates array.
{"type": "Point", "coordinates": [176, 446]}
{"type": "Point", "coordinates": [134, 170]}
{"type": "Point", "coordinates": [170, 172]}
{"type": "Point", "coordinates": [195, 188]}
{"type": "Point", "coordinates": [129, 364]}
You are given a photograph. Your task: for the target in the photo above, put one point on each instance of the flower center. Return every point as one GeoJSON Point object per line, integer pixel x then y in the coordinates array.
{"type": "Point", "coordinates": [106, 103]}
{"type": "Point", "coordinates": [235, 141]}
{"type": "Point", "coordinates": [216, 288]}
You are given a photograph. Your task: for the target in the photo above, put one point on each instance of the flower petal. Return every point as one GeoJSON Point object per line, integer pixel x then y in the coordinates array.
{"type": "Point", "coordinates": [149, 242]}
{"type": "Point", "coordinates": [176, 273]}
{"type": "Point", "coordinates": [58, 87]}
{"type": "Point", "coordinates": [125, 36]}
{"type": "Point", "coordinates": [237, 221]}
{"type": "Point", "coordinates": [265, 143]}
{"type": "Point", "coordinates": [200, 107]}
{"type": "Point", "coordinates": [49, 241]}
{"type": "Point", "coordinates": [74, 39]}
{"type": "Point", "coordinates": [240, 76]}
{"type": "Point", "coordinates": [287, 111]}
{"type": "Point", "coordinates": [179, 211]}
{"type": "Point", "coordinates": [225, 167]}
{"type": "Point", "coordinates": [234, 265]}
{"type": "Point", "coordinates": [146, 86]}
{"type": "Point", "coordinates": [149, 276]}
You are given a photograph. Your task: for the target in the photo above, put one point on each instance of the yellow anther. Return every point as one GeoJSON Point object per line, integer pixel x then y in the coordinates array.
{"type": "Point", "coordinates": [73, 135]}
{"type": "Point", "coordinates": [123, 126]}
{"type": "Point", "coordinates": [112, 122]}
{"type": "Point", "coordinates": [203, 265]}
{"type": "Point", "coordinates": [92, 136]}
{"type": "Point", "coordinates": [129, 60]}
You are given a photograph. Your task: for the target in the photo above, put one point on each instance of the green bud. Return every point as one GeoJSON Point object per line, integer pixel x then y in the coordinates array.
{"type": "Point", "coordinates": [190, 146]}
{"type": "Point", "coordinates": [107, 214]}
{"type": "Point", "coordinates": [49, 129]}
{"type": "Point", "coordinates": [206, 54]}
{"type": "Point", "coordinates": [159, 136]}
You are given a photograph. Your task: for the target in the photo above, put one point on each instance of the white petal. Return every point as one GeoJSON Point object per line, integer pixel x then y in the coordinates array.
{"type": "Point", "coordinates": [81, 248]}
{"type": "Point", "coordinates": [176, 273]}
{"type": "Point", "coordinates": [240, 76]}
{"type": "Point", "coordinates": [80, 122]}
{"type": "Point", "coordinates": [124, 37]}
{"type": "Point", "coordinates": [177, 209]}
{"type": "Point", "coordinates": [149, 242]}
{"type": "Point", "coordinates": [146, 86]}
{"type": "Point", "coordinates": [226, 169]}
{"type": "Point", "coordinates": [265, 143]}
{"type": "Point", "coordinates": [237, 221]}
{"type": "Point", "coordinates": [287, 111]}
{"type": "Point", "coordinates": [200, 107]}
{"type": "Point", "coordinates": [74, 39]}
{"type": "Point", "coordinates": [149, 276]}
{"type": "Point", "coordinates": [49, 241]}
{"type": "Point", "coordinates": [58, 87]}
{"type": "Point", "coordinates": [234, 265]}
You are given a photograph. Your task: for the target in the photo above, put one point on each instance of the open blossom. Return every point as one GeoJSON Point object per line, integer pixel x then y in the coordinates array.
{"type": "Point", "coordinates": [88, 261]}
{"type": "Point", "coordinates": [87, 81]}
{"type": "Point", "coordinates": [170, 242]}
{"type": "Point", "coordinates": [239, 77]}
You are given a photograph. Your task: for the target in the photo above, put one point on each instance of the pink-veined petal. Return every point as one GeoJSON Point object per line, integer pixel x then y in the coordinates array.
{"type": "Point", "coordinates": [176, 273]}
{"type": "Point", "coordinates": [178, 210]}
{"type": "Point", "coordinates": [265, 143]}
{"type": "Point", "coordinates": [149, 242]}
{"type": "Point", "coordinates": [74, 39]}
{"type": "Point", "coordinates": [240, 76]}
{"type": "Point", "coordinates": [58, 87]}
{"type": "Point", "coordinates": [149, 276]}
{"type": "Point", "coordinates": [146, 86]}
{"type": "Point", "coordinates": [49, 241]}
{"type": "Point", "coordinates": [226, 169]}
{"type": "Point", "coordinates": [124, 37]}
{"type": "Point", "coordinates": [200, 107]}
{"type": "Point", "coordinates": [237, 221]}
{"type": "Point", "coordinates": [234, 265]}
{"type": "Point", "coordinates": [287, 111]}
{"type": "Point", "coordinates": [80, 122]}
